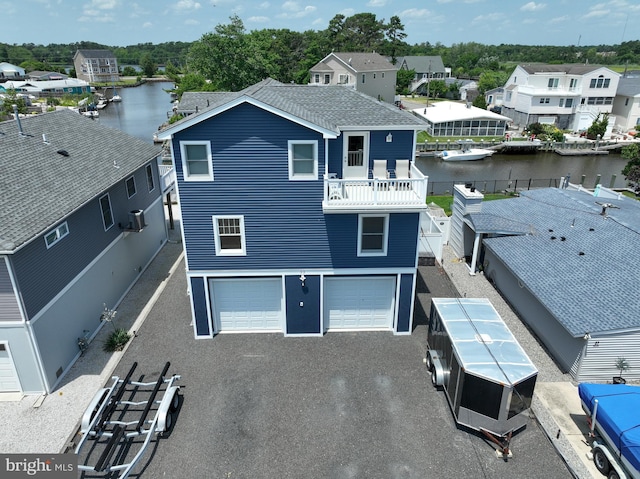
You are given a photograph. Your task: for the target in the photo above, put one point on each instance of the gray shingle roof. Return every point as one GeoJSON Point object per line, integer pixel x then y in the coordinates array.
{"type": "Point", "coordinates": [357, 61]}
{"type": "Point", "coordinates": [423, 64]}
{"type": "Point", "coordinates": [192, 100]}
{"type": "Point", "coordinates": [330, 107]}
{"type": "Point", "coordinates": [595, 291]}
{"type": "Point", "coordinates": [629, 87]}
{"type": "Point", "coordinates": [40, 186]}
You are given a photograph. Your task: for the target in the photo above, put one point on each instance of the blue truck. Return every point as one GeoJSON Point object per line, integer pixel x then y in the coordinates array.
{"type": "Point", "coordinates": [613, 412]}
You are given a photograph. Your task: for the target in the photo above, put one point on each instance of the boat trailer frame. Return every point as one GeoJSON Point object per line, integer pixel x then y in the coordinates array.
{"type": "Point", "coordinates": [98, 419]}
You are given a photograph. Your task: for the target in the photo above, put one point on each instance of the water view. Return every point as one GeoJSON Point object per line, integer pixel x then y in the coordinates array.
{"type": "Point", "coordinates": [143, 109]}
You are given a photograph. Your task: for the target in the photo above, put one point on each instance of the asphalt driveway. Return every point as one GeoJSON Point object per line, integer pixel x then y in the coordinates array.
{"type": "Point", "coordinates": [344, 405]}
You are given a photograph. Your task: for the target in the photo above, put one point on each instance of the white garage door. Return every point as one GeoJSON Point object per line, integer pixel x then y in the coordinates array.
{"type": "Point", "coordinates": [247, 304]}
{"type": "Point", "coordinates": [359, 303]}
{"type": "Point", "coordinates": [8, 377]}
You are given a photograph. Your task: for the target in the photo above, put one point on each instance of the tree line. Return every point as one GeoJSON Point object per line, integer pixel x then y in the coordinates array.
{"type": "Point", "coordinates": [230, 57]}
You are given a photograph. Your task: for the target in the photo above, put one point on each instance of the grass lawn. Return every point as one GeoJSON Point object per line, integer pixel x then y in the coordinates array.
{"type": "Point", "coordinates": [445, 201]}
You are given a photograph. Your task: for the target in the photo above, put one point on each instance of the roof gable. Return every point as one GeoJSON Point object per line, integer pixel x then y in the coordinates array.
{"type": "Point", "coordinates": [41, 186]}
{"type": "Point", "coordinates": [326, 108]}
{"type": "Point", "coordinates": [359, 62]}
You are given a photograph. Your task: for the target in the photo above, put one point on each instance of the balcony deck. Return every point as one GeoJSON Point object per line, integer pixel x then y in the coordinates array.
{"type": "Point", "coordinates": [374, 194]}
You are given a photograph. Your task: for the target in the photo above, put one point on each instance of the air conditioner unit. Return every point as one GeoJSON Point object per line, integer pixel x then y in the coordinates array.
{"type": "Point", "coordinates": [136, 220]}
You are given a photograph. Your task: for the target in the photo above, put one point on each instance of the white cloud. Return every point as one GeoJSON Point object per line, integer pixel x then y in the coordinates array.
{"type": "Point", "coordinates": [185, 6]}
{"type": "Point", "coordinates": [561, 19]}
{"type": "Point", "coordinates": [533, 7]}
{"type": "Point", "coordinates": [488, 19]}
{"type": "Point", "coordinates": [376, 3]}
{"type": "Point", "coordinates": [191, 21]}
{"type": "Point", "coordinates": [347, 12]}
{"type": "Point", "coordinates": [147, 25]}
{"type": "Point", "coordinates": [293, 9]}
{"type": "Point", "coordinates": [596, 14]}
{"type": "Point", "coordinates": [414, 13]}
{"type": "Point", "coordinates": [258, 19]}
{"type": "Point", "coordinates": [99, 11]}
{"type": "Point", "coordinates": [264, 5]}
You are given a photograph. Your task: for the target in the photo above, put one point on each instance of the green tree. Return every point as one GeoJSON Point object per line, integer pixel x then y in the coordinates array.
{"type": "Point", "coordinates": [192, 82]}
{"type": "Point", "coordinates": [225, 57]}
{"type": "Point", "coordinates": [491, 79]}
{"type": "Point", "coordinates": [403, 80]}
{"type": "Point", "coordinates": [149, 68]}
{"type": "Point", "coordinates": [599, 126]}
{"type": "Point", "coordinates": [6, 105]}
{"type": "Point", "coordinates": [395, 33]}
{"type": "Point", "coordinates": [480, 102]}
{"type": "Point", "coordinates": [631, 171]}
{"type": "Point", "coordinates": [129, 71]}
{"type": "Point", "coordinates": [363, 32]}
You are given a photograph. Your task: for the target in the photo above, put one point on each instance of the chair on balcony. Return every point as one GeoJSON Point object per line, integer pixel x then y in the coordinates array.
{"type": "Point", "coordinates": [402, 172]}
{"type": "Point", "coordinates": [380, 172]}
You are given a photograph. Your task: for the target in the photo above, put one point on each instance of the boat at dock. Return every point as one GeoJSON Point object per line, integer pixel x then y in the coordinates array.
{"type": "Point", "coordinates": [465, 153]}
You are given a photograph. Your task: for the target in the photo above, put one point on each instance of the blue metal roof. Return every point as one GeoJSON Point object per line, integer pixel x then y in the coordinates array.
{"type": "Point", "coordinates": [581, 266]}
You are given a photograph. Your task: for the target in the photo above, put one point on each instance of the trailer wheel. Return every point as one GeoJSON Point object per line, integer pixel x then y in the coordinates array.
{"type": "Point", "coordinates": [434, 378]}
{"type": "Point", "coordinates": [429, 362]}
{"type": "Point", "coordinates": [601, 461]}
{"type": "Point", "coordinates": [613, 474]}
{"type": "Point", "coordinates": [168, 422]}
{"type": "Point", "coordinates": [175, 402]}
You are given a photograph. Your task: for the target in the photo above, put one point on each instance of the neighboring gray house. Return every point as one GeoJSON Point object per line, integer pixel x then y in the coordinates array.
{"type": "Point", "coordinates": [566, 261]}
{"type": "Point", "coordinates": [81, 217]}
{"type": "Point", "coordinates": [368, 73]}
{"type": "Point", "coordinates": [426, 68]}
{"type": "Point", "coordinates": [41, 76]}
{"type": "Point", "coordinates": [96, 66]}
{"type": "Point", "coordinates": [196, 101]}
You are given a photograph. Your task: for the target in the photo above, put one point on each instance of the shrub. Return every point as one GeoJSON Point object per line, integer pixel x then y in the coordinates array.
{"type": "Point", "coordinates": [117, 340]}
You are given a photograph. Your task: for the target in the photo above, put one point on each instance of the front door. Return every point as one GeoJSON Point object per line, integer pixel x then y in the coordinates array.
{"type": "Point", "coordinates": [355, 157]}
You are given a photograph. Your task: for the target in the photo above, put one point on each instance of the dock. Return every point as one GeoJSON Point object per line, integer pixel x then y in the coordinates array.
{"type": "Point", "coordinates": [580, 152]}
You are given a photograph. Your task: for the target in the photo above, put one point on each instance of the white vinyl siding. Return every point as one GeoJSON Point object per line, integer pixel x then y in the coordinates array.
{"type": "Point", "coordinates": [196, 161]}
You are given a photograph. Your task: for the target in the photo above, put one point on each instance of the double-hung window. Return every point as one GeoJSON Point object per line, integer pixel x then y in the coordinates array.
{"type": "Point", "coordinates": [196, 160]}
{"type": "Point", "coordinates": [150, 183]}
{"type": "Point", "coordinates": [55, 235]}
{"type": "Point", "coordinates": [229, 235]}
{"type": "Point", "coordinates": [105, 209]}
{"type": "Point", "coordinates": [303, 160]}
{"type": "Point", "coordinates": [131, 186]}
{"type": "Point", "coordinates": [373, 235]}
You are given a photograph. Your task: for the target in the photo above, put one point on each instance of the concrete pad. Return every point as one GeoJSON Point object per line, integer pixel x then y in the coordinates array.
{"type": "Point", "coordinates": [562, 403]}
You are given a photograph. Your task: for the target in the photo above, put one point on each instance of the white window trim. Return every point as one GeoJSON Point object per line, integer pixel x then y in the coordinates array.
{"type": "Point", "coordinates": [147, 170]}
{"type": "Point", "coordinates": [385, 240]}
{"type": "Point", "coordinates": [300, 176]}
{"type": "Point", "coordinates": [183, 156]}
{"type": "Point", "coordinates": [60, 231]}
{"type": "Point", "coordinates": [106, 228]}
{"type": "Point", "coordinates": [229, 252]}
{"type": "Point", "coordinates": [126, 186]}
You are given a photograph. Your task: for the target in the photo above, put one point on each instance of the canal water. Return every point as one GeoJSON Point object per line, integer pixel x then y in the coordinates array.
{"type": "Point", "coordinates": [144, 108]}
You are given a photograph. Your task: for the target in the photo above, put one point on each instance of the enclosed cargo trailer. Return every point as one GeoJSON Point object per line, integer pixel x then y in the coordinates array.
{"type": "Point", "coordinates": [487, 377]}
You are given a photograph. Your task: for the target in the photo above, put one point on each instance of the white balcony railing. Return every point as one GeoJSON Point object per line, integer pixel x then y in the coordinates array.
{"type": "Point", "coordinates": [167, 177]}
{"type": "Point", "coordinates": [374, 193]}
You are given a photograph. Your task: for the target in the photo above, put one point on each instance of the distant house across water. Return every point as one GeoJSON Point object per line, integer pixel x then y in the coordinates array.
{"type": "Point", "coordinates": [96, 66]}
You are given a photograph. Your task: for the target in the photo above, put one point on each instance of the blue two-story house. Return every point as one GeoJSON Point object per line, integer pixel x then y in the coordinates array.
{"type": "Point", "coordinates": [300, 211]}
{"type": "Point", "coordinates": [81, 217]}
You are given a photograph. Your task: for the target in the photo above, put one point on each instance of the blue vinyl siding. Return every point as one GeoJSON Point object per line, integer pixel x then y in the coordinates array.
{"type": "Point", "coordinates": [284, 223]}
{"type": "Point", "coordinates": [200, 307]}
{"type": "Point", "coordinates": [404, 303]}
{"type": "Point", "coordinates": [42, 273]}
{"type": "Point", "coordinates": [303, 319]}
{"type": "Point", "coordinates": [400, 148]}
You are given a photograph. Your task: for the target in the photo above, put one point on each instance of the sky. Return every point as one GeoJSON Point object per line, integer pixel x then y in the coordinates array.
{"type": "Point", "coordinates": [489, 22]}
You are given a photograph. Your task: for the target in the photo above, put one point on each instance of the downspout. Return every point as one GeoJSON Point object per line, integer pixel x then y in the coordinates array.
{"type": "Point", "coordinates": [474, 258]}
